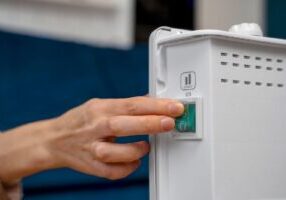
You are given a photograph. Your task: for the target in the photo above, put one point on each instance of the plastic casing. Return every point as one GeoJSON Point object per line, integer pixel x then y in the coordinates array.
{"type": "Point", "coordinates": [241, 84]}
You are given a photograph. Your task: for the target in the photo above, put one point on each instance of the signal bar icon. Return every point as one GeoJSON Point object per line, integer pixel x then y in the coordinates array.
{"type": "Point", "coordinates": [188, 80]}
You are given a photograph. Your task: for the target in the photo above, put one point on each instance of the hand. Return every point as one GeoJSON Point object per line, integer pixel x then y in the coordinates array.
{"type": "Point", "coordinates": [85, 136]}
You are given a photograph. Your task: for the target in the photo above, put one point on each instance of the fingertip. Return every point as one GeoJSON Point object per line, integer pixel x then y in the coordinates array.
{"type": "Point", "coordinates": [181, 108]}
{"type": "Point", "coordinates": [144, 144]}
{"type": "Point", "coordinates": [176, 109]}
{"type": "Point", "coordinates": [167, 124]}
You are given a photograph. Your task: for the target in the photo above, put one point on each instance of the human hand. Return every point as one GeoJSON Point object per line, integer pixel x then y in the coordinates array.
{"type": "Point", "coordinates": [84, 137]}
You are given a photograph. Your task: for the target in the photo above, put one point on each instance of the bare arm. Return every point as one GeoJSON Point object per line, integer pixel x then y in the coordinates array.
{"type": "Point", "coordinates": [83, 138]}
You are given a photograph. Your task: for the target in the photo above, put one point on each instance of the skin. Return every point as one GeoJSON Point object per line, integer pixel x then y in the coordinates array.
{"type": "Point", "coordinates": [83, 139]}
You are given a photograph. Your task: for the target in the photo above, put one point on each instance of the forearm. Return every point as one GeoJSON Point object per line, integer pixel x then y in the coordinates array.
{"type": "Point", "coordinates": [23, 152]}
{"type": "Point", "coordinates": [83, 138]}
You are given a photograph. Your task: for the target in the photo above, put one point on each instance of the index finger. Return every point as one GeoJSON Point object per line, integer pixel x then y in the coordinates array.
{"type": "Point", "coordinates": [147, 106]}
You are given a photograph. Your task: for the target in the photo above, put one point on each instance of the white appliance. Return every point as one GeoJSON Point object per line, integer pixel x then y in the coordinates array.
{"type": "Point", "coordinates": [236, 82]}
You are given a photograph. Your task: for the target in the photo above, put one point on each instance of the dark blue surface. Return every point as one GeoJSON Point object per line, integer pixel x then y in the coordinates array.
{"type": "Point", "coordinates": [41, 78]}
{"type": "Point", "coordinates": [276, 17]}
{"type": "Point", "coordinates": [131, 190]}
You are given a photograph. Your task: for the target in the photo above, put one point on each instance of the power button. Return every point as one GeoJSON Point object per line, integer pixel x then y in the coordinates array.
{"type": "Point", "coordinates": [189, 126]}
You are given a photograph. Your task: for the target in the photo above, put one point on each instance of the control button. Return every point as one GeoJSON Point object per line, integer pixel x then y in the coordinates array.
{"type": "Point", "coordinates": [187, 122]}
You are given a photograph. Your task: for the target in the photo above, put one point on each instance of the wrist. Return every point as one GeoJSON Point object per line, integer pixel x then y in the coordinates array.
{"type": "Point", "coordinates": [24, 151]}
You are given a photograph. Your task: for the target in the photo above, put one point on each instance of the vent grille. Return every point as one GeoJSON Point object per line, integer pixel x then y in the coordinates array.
{"type": "Point", "coordinates": [235, 81]}
{"type": "Point", "coordinates": [256, 63]}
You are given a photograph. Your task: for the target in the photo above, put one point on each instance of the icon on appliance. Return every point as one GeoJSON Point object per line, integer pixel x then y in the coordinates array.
{"type": "Point", "coordinates": [188, 81]}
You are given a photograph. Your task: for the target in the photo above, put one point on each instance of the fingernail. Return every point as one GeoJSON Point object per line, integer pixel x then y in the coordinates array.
{"type": "Point", "coordinates": [176, 108]}
{"type": "Point", "coordinates": [167, 124]}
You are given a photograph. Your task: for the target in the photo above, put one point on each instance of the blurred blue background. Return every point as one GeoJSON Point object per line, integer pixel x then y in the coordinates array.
{"type": "Point", "coordinates": [42, 78]}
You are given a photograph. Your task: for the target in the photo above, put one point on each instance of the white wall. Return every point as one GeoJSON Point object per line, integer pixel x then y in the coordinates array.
{"type": "Point", "coordinates": [221, 14]}
{"type": "Point", "coordinates": [107, 23]}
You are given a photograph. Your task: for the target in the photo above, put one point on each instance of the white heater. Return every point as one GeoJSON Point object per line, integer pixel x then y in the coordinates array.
{"type": "Point", "coordinates": [231, 143]}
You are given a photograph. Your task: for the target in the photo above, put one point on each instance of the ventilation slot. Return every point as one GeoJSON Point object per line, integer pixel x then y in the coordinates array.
{"type": "Point", "coordinates": [235, 55]}
{"type": "Point", "coordinates": [248, 64]}
{"type": "Point", "coordinates": [223, 80]}
{"type": "Point", "coordinates": [248, 83]}
{"type": "Point", "coordinates": [223, 63]}
{"type": "Point", "coordinates": [235, 81]}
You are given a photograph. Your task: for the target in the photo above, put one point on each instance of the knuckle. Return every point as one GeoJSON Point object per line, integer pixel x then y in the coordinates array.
{"type": "Point", "coordinates": [112, 125]}
{"type": "Point", "coordinates": [131, 107]}
{"type": "Point", "coordinates": [92, 104]}
{"type": "Point", "coordinates": [148, 124]}
{"type": "Point", "coordinates": [100, 152]}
